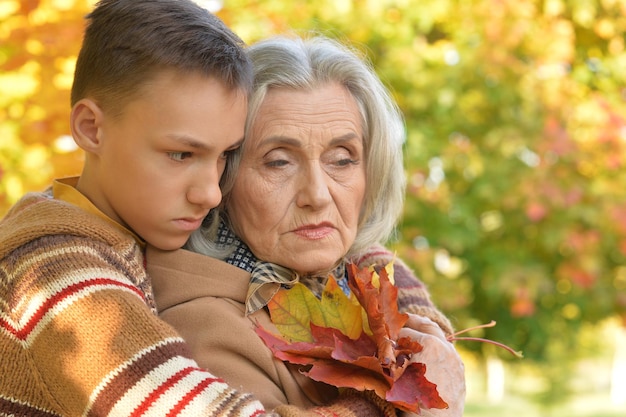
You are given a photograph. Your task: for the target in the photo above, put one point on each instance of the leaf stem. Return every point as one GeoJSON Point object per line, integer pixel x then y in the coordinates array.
{"type": "Point", "coordinates": [455, 336]}
{"type": "Point", "coordinates": [513, 352]}
{"type": "Point", "coordinates": [492, 323]}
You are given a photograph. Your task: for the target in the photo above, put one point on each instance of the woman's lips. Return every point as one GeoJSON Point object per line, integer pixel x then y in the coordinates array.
{"type": "Point", "coordinates": [314, 232]}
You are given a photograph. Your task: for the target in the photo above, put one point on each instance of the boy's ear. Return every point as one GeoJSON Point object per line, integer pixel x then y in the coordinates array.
{"type": "Point", "coordinates": [85, 121]}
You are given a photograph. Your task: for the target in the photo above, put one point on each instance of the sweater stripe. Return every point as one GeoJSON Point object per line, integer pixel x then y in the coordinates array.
{"type": "Point", "coordinates": [227, 403]}
{"type": "Point", "coordinates": [44, 259]}
{"type": "Point", "coordinates": [186, 401]}
{"type": "Point", "coordinates": [47, 308]}
{"type": "Point", "coordinates": [130, 373]}
{"type": "Point", "coordinates": [151, 398]}
{"type": "Point", "coordinates": [164, 397]}
{"type": "Point", "coordinates": [13, 408]}
{"type": "Point", "coordinates": [150, 393]}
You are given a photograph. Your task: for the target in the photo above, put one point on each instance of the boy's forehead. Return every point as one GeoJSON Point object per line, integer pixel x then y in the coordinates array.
{"type": "Point", "coordinates": [166, 84]}
{"type": "Point", "coordinates": [172, 76]}
{"type": "Point", "coordinates": [189, 107]}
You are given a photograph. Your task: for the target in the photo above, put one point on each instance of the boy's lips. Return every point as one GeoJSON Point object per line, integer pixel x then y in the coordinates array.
{"type": "Point", "coordinates": [189, 223]}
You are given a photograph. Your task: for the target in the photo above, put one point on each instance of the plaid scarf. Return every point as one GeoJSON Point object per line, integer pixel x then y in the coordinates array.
{"type": "Point", "coordinates": [267, 278]}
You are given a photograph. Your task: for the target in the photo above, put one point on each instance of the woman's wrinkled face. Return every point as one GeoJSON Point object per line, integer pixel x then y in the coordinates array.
{"type": "Point", "coordinates": [301, 183]}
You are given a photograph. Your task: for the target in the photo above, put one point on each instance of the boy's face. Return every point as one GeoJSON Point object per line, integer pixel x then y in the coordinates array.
{"type": "Point", "coordinates": [160, 162]}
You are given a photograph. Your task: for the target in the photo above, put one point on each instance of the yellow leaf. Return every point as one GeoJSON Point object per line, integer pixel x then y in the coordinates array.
{"type": "Point", "coordinates": [339, 311]}
{"type": "Point", "coordinates": [388, 268]}
{"type": "Point", "coordinates": [292, 311]}
{"type": "Point", "coordinates": [375, 277]}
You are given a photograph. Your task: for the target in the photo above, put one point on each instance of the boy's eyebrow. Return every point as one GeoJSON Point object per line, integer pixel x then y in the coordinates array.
{"type": "Point", "coordinates": [196, 144]}
{"type": "Point", "coordinates": [193, 143]}
{"type": "Point", "coordinates": [188, 141]}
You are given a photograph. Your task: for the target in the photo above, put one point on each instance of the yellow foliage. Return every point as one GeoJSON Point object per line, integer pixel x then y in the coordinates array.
{"type": "Point", "coordinates": [17, 86]}
{"type": "Point", "coordinates": [39, 42]}
{"type": "Point", "coordinates": [8, 7]}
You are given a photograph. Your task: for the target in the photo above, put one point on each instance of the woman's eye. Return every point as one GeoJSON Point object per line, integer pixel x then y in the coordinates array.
{"type": "Point", "coordinates": [346, 161]}
{"type": "Point", "coordinates": [276, 163]}
{"type": "Point", "coordinates": [277, 158]}
{"type": "Point", "coordinates": [179, 156]}
{"type": "Point", "coordinates": [342, 157]}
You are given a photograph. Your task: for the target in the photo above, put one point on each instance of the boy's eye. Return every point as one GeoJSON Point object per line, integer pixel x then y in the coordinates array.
{"type": "Point", "coordinates": [179, 156]}
{"type": "Point", "coordinates": [230, 152]}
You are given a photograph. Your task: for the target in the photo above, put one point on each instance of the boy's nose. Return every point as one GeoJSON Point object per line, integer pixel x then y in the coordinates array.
{"type": "Point", "coordinates": [205, 192]}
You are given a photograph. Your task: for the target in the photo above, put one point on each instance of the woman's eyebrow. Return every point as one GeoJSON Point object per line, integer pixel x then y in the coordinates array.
{"type": "Point", "coordinates": [281, 140]}
{"type": "Point", "coordinates": [350, 136]}
{"type": "Point", "coordinates": [286, 140]}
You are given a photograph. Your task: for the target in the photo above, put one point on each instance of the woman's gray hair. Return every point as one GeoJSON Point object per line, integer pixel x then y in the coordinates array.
{"type": "Point", "coordinates": [305, 64]}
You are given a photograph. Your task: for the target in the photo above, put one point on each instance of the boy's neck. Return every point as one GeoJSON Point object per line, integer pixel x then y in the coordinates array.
{"type": "Point", "coordinates": [66, 189]}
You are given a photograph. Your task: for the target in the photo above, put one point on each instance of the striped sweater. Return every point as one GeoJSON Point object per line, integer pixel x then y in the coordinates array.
{"type": "Point", "coordinates": [78, 330]}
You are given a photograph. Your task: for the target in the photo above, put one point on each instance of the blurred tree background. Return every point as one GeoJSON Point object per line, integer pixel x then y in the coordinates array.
{"type": "Point", "coordinates": [516, 144]}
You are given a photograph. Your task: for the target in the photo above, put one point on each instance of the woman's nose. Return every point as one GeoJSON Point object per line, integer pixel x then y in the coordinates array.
{"type": "Point", "coordinates": [313, 188]}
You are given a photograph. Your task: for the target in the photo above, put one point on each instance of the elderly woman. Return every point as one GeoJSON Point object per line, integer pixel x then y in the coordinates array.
{"type": "Point", "coordinates": [319, 182]}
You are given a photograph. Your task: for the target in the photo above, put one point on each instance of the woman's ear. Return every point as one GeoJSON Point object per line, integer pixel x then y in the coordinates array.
{"type": "Point", "coordinates": [85, 122]}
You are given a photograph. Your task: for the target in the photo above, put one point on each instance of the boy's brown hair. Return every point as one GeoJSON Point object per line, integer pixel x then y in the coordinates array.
{"type": "Point", "coordinates": [127, 42]}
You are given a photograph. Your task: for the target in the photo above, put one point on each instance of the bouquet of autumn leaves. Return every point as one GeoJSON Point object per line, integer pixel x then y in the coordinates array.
{"type": "Point", "coordinates": [352, 341]}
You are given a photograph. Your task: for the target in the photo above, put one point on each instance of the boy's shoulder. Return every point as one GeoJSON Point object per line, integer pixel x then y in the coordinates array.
{"type": "Point", "coordinates": [37, 215]}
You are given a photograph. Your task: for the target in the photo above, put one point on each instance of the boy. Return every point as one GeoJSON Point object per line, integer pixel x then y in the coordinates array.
{"type": "Point", "coordinates": [159, 101]}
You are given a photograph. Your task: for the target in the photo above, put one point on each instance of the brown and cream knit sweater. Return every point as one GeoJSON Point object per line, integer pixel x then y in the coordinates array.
{"type": "Point", "coordinates": [79, 335]}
